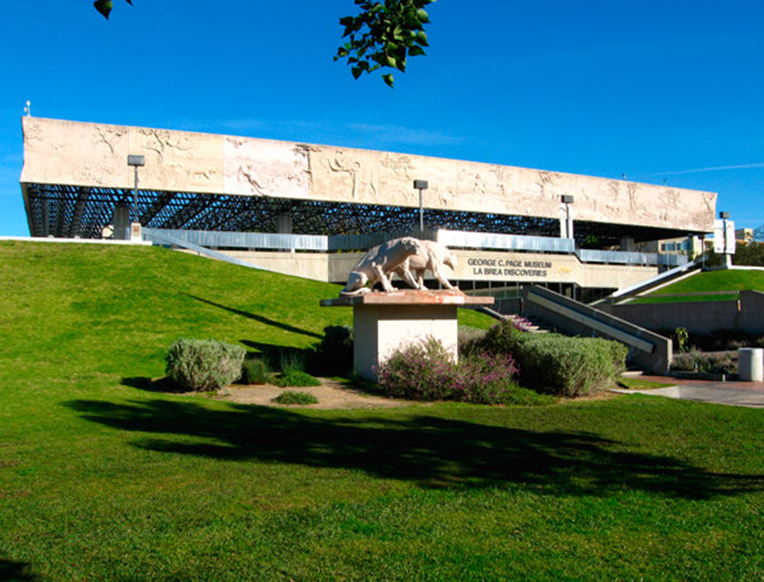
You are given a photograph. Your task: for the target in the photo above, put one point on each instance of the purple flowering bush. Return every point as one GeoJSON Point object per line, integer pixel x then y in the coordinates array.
{"type": "Point", "coordinates": [426, 371]}
{"type": "Point", "coordinates": [419, 371]}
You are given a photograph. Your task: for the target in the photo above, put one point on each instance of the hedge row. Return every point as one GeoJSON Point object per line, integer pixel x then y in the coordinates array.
{"type": "Point", "coordinates": [556, 364]}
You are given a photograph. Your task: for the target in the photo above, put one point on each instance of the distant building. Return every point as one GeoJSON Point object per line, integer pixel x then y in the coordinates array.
{"type": "Point", "coordinates": [690, 246]}
{"type": "Point", "coordinates": [745, 235]}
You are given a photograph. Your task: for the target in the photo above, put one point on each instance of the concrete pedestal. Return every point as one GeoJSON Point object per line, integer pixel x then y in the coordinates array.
{"type": "Point", "coordinates": [136, 232]}
{"type": "Point", "coordinates": [385, 322]}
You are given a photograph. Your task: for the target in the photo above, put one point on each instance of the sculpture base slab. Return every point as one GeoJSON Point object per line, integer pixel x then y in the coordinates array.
{"type": "Point", "coordinates": [385, 322]}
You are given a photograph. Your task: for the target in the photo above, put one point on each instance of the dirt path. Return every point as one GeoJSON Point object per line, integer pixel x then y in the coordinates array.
{"type": "Point", "coordinates": [331, 395]}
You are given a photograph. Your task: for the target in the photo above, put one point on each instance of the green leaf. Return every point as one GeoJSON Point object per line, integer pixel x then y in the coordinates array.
{"type": "Point", "coordinates": [104, 7]}
{"type": "Point", "coordinates": [383, 35]}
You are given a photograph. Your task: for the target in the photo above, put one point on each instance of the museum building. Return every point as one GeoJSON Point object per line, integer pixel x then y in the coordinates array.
{"type": "Point", "coordinates": [311, 210]}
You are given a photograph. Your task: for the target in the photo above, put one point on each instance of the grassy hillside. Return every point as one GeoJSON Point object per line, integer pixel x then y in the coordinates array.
{"type": "Point", "coordinates": [117, 309]}
{"type": "Point", "coordinates": [101, 480]}
{"type": "Point", "coordinates": [712, 282]}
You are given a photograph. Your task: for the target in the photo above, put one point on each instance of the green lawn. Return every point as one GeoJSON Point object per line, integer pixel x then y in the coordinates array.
{"type": "Point", "coordinates": [103, 480]}
{"type": "Point", "coordinates": [641, 384]}
{"type": "Point", "coordinates": [712, 283]}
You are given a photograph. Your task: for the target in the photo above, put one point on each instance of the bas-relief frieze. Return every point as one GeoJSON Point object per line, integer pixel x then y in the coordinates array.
{"type": "Point", "coordinates": [384, 178]}
{"type": "Point", "coordinates": [349, 175]}
{"type": "Point", "coordinates": [623, 202]}
{"type": "Point", "coordinates": [73, 153]}
{"type": "Point", "coordinates": [83, 153]}
{"type": "Point", "coordinates": [178, 157]}
{"type": "Point", "coordinates": [255, 167]}
{"type": "Point", "coordinates": [387, 178]}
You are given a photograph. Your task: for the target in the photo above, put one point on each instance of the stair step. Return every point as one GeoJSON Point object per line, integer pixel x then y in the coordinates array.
{"type": "Point", "coordinates": [527, 324]}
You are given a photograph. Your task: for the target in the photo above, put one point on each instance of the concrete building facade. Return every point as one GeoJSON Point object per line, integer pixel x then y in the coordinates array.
{"type": "Point", "coordinates": [310, 210]}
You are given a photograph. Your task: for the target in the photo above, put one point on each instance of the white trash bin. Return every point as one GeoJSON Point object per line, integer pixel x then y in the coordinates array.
{"type": "Point", "coordinates": [750, 364]}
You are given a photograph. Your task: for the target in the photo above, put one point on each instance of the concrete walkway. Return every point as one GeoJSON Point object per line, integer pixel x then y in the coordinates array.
{"type": "Point", "coordinates": [749, 394]}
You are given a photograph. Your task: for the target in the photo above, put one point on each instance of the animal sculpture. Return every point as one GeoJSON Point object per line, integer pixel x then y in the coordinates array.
{"type": "Point", "coordinates": [379, 262]}
{"type": "Point", "coordinates": [431, 257]}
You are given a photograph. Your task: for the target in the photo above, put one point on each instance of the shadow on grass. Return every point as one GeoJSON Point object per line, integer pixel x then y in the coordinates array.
{"type": "Point", "coordinates": [164, 384]}
{"type": "Point", "coordinates": [324, 363]}
{"type": "Point", "coordinates": [17, 571]}
{"type": "Point", "coordinates": [260, 318]}
{"type": "Point", "coordinates": [273, 353]}
{"type": "Point", "coordinates": [431, 451]}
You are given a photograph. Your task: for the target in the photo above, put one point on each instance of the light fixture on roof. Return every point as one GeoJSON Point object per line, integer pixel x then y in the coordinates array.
{"type": "Point", "coordinates": [566, 216]}
{"type": "Point", "coordinates": [136, 161]}
{"type": "Point", "coordinates": [421, 185]}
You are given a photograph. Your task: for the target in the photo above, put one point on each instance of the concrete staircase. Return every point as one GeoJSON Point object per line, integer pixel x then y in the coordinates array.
{"type": "Point", "coordinates": [530, 324]}
{"type": "Point", "coordinates": [647, 350]}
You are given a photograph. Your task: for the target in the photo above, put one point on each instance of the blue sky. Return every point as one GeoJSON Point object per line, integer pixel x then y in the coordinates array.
{"type": "Point", "coordinates": [657, 90]}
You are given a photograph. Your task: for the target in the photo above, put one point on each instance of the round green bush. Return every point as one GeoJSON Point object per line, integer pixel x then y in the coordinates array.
{"type": "Point", "coordinates": [204, 365]}
{"type": "Point", "coordinates": [559, 365]}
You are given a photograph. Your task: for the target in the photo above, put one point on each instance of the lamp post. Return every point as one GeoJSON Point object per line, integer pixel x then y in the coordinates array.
{"type": "Point", "coordinates": [136, 162]}
{"type": "Point", "coordinates": [566, 220]}
{"type": "Point", "coordinates": [421, 185]}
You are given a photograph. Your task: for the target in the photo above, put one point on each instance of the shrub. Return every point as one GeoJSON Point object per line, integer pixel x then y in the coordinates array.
{"type": "Point", "coordinates": [255, 371]}
{"type": "Point", "coordinates": [334, 355]}
{"type": "Point", "coordinates": [419, 371]}
{"type": "Point", "coordinates": [487, 378]}
{"type": "Point", "coordinates": [502, 338]}
{"type": "Point", "coordinates": [557, 364]}
{"type": "Point", "coordinates": [293, 372]}
{"type": "Point", "coordinates": [296, 378]}
{"type": "Point", "coordinates": [570, 366]}
{"type": "Point", "coordinates": [291, 361]}
{"type": "Point", "coordinates": [425, 371]}
{"type": "Point", "coordinates": [686, 361]}
{"type": "Point", "coordinates": [721, 364]}
{"type": "Point", "coordinates": [697, 361]}
{"type": "Point", "coordinates": [291, 397]}
{"type": "Point", "coordinates": [468, 337]}
{"type": "Point", "coordinates": [203, 365]}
